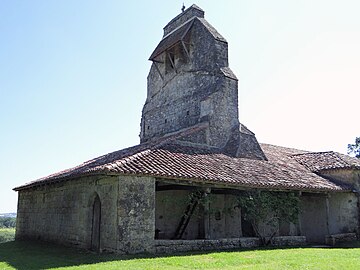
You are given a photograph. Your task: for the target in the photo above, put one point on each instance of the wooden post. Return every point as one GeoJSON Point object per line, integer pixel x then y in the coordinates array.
{"type": "Point", "coordinates": [158, 70]}
{"type": "Point", "coordinates": [207, 234]}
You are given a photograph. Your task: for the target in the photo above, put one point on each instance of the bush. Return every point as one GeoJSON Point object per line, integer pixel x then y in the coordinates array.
{"type": "Point", "coordinates": [268, 208]}
{"type": "Point", "coordinates": [7, 234]}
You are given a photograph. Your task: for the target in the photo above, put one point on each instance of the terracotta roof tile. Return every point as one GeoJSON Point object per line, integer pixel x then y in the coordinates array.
{"type": "Point", "coordinates": [174, 159]}
{"type": "Point", "coordinates": [320, 161]}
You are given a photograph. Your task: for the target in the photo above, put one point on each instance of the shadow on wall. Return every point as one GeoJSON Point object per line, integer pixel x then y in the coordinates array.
{"type": "Point", "coordinates": [31, 255]}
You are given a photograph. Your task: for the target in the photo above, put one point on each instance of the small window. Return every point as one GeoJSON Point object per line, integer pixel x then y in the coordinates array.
{"type": "Point", "coordinates": [217, 215]}
{"type": "Point", "coordinates": [175, 57]}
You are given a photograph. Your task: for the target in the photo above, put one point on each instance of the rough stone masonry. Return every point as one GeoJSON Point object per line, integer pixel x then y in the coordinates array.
{"type": "Point", "coordinates": [190, 83]}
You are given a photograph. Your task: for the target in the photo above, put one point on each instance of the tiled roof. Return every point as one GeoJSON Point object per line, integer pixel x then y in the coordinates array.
{"type": "Point", "coordinates": [321, 161]}
{"type": "Point", "coordinates": [179, 33]}
{"type": "Point", "coordinates": [178, 160]}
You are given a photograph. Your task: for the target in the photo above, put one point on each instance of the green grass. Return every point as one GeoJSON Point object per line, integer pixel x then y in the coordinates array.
{"type": "Point", "coordinates": [7, 234]}
{"type": "Point", "coordinates": [34, 255]}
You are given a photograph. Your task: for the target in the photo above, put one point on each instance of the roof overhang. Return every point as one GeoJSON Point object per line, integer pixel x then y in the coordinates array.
{"type": "Point", "coordinates": [177, 35]}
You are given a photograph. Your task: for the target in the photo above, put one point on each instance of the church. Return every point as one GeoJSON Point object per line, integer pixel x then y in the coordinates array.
{"type": "Point", "coordinates": [178, 189]}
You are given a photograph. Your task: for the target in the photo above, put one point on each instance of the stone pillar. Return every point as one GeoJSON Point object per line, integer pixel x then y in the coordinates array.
{"type": "Point", "coordinates": [136, 214]}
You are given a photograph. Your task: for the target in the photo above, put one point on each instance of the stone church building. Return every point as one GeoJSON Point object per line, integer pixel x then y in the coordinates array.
{"type": "Point", "coordinates": [191, 142]}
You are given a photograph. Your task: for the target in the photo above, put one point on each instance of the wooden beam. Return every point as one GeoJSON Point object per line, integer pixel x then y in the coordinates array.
{"type": "Point", "coordinates": [174, 187]}
{"type": "Point", "coordinates": [158, 70]}
{"type": "Point", "coordinates": [207, 233]}
{"type": "Point", "coordinates": [171, 61]}
{"type": "Point", "coordinates": [186, 50]}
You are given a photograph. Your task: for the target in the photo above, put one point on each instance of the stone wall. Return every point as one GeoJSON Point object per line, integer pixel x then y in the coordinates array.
{"type": "Point", "coordinates": [62, 212]}
{"type": "Point", "coordinates": [349, 176]}
{"type": "Point", "coordinates": [343, 213]}
{"type": "Point", "coordinates": [136, 214]}
{"type": "Point", "coordinates": [325, 214]}
{"type": "Point", "coordinates": [286, 241]}
{"type": "Point", "coordinates": [334, 239]}
{"type": "Point", "coordinates": [172, 246]}
{"type": "Point", "coordinates": [170, 207]}
{"type": "Point", "coordinates": [313, 217]}
{"type": "Point", "coordinates": [225, 217]}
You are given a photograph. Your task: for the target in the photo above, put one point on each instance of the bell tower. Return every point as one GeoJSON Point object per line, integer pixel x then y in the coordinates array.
{"type": "Point", "coordinates": [190, 84]}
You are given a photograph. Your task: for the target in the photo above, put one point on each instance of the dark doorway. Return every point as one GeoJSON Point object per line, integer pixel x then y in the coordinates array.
{"type": "Point", "coordinates": [96, 221]}
{"type": "Point", "coordinates": [247, 228]}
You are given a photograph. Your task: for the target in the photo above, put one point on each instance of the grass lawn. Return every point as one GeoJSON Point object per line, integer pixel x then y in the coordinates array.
{"type": "Point", "coordinates": [7, 234]}
{"type": "Point", "coordinates": [33, 255]}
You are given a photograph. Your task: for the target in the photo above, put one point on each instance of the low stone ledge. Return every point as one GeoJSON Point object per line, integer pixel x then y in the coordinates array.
{"type": "Point", "coordinates": [288, 241]}
{"type": "Point", "coordinates": [249, 242]}
{"type": "Point", "coordinates": [333, 239]}
{"type": "Point", "coordinates": [171, 246]}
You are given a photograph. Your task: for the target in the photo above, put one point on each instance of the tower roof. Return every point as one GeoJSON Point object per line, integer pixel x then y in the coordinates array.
{"type": "Point", "coordinates": [193, 11]}
{"type": "Point", "coordinates": [179, 26]}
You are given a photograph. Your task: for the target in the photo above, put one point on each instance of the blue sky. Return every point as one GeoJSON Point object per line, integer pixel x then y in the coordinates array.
{"type": "Point", "coordinates": [73, 76]}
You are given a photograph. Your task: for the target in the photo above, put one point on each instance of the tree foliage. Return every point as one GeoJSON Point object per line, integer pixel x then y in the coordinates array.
{"type": "Point", "coordinates": [355, 148]}
{"type": "Point", "coordinates": [267, 209]}
{"type": "Point", "coordinates": [7, 222]}
{"type": "Point", "coordinates": [6, 235]}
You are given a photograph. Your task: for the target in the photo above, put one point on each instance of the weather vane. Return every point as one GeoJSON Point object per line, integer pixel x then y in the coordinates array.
{"type": "Point", "coordinates": [183, 7]}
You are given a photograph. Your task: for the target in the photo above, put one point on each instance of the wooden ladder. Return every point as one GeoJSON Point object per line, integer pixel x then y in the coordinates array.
{"type": "Point", "coordinates": [185, 219]}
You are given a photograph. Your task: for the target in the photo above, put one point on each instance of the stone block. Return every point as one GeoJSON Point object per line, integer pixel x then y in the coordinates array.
{"type": "Point", "coordinates": [334, 239]}
{"type": "Point", "coordinates": [288, 241]}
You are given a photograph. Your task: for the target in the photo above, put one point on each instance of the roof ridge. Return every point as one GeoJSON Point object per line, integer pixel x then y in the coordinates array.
{"type": "Point", "coordinates": [313, 153]}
